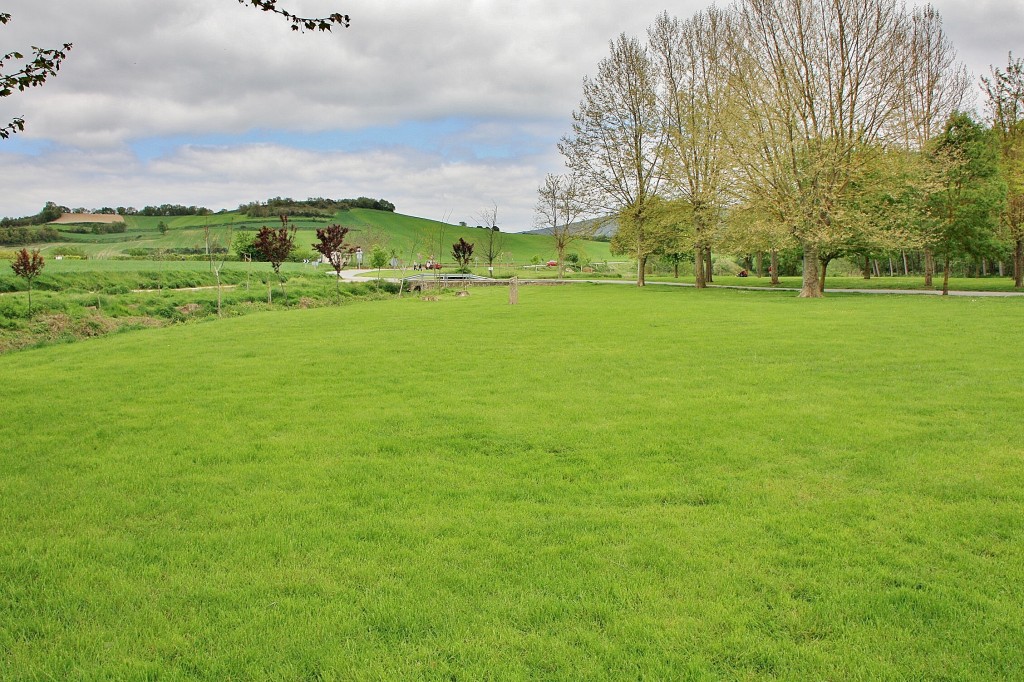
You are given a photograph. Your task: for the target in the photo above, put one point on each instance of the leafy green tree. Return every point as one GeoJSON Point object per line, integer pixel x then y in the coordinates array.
{"type": "Point", "coordinates": [378, 258]}
{"type": "Point", "coordinates": [28, 266]}
{"type": "Point", "coordinates": [243, 246]}
{"type": "Point", "coordinates": [971, 192]}
{"type": "Point", "coordinates": [1005, 93]}
{"type": "Point", "coordinates": [661, 225]}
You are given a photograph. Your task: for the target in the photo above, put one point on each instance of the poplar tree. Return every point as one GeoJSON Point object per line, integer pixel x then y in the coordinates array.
{"type": "Point", "coordinates": [966, 205]}
{"type": "Point", "coordinates": [1005, 100]}
{"type": "Point", "coordinates": [616, 146]}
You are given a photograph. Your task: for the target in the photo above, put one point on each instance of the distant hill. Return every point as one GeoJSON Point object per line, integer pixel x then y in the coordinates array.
{"type": "Point", "coordinates": [606, 229]}
{"type": "Point", "coordinates": [410, 237]}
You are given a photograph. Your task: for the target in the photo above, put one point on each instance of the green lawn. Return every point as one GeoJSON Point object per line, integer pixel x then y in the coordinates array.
{"type": "Point", "coordinates": [955, 283]}
{"type": "Point", "coordinates": [599, 483]}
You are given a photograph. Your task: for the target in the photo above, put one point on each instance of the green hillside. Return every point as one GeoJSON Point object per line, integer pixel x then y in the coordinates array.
{"type": "Point", "coordinates": [411, 237]}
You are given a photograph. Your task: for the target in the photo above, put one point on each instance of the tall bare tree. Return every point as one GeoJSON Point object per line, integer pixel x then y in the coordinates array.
{"type": "Point", "coordinates": [494, 241]}
{"type": "Point", "coordinates": [561, 203]}
{"type": "Point", "coordinates": [819, 83]}
{"type": "Point", "coordinates": [617, 140]}
{"type": "Point", "coordinates": [694, 97]}
{"type": "Point", "coordinates": [217, 267]}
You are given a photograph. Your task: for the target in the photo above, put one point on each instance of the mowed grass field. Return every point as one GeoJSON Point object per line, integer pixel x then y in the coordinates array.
{"type": "Point", "coordinates": [598, 483]}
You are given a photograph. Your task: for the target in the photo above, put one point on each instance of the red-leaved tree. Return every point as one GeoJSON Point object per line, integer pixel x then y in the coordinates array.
{"type": "Point", "coordinates": [462, 252]}
{"type": "Point", "coordinates": [275, 246]}
{"type": "Point", "coordinates": [330, 243]}
{"type": "Point", "coordinates": [28, 266]}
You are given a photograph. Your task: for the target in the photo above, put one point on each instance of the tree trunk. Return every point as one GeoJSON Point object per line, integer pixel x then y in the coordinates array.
{"type": "Point", "coordinates": [218, 292]}
{"type": "Point", "coordinates": [698, 268]}
{"type": "Point", "coordinates": [641, 267]}
{"type": "Point", "coordinates": [867, 267]}
{"type": "Point", "coordinates": [929, 267]}
{"type": "Point", "coordinates": [891, 273]}
{"type": "Point", "coordinates": [945, 277]}
{"type": "Point", "coordinates": [906, 268]}
{"type": "Point", "coordinates": [811, 287]}
{"type": "Point", "coordinates": [1018, 264]}
{"type": "Point", "coordinates": [677, 269]}
{"type": "Point", "coordinates": [759, 259]}
{"type": "Point", "coordinates": [821, 275]}
{"type": "Point", "coordinates": [709, 274]}
{"type": "Point", "coordinates": [775, 267]}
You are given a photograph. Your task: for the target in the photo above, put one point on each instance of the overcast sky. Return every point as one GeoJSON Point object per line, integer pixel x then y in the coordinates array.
{"type": "Point", "coordinates": [443, 107]}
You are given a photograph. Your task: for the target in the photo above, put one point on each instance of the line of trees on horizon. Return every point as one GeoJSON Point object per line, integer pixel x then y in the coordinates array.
{"type": "Point", "coordinates": [312, 207]}
{"type": "Point", "coordinates": [836, 129]}
{"type": "Point", "coordinates": [53, 211]}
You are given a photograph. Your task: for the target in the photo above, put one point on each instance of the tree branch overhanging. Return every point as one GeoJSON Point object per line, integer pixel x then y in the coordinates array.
{"type": "Point", "coordinates": [41, 65]}
{"type": "Point", "coordinates": [300, 23]}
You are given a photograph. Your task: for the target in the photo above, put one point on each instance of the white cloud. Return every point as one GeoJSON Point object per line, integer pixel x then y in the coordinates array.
{"type": "Point", "coordinates": [421, 184]}
{"type": "Point", "coordinates": [194, 69]}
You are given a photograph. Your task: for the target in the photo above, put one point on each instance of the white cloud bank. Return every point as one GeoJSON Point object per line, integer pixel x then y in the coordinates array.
{"type": "Point", "coordinates": [184, 70]}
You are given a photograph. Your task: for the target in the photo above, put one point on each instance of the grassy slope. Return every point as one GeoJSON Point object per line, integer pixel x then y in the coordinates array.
{"type": "Point", "coordinates": [601, 482]}
{"type": "Point", "coordinates": [401, 231]}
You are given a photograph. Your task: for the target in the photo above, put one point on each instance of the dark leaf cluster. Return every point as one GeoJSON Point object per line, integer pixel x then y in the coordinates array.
{"type": "Point", "coordinates": [174, 209]}
{"type": "Point", "coordinates": [35, 69]}
{"type": "Point", "coordinates": [49, 213]}
{"type": "Point", "coordinates": [275, 245]}
{"type": "Point", "coordinates": [462, 252]}
{"type": "Point", "coordinates": [301, 23]}
{"type": "Point", "coordinates": [312, 207]}
{"type": "Point", "coordinates": [330, 243]}
{"type": "Point", "coordinates": [16, 236]}
{"type": "Point", "coordinates": [27, 265]}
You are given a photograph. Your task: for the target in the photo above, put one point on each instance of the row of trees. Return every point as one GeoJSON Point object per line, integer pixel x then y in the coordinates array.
{"type": "Point", "coordinates": [53, 211]}
{"type": "Point", "coordinates": [312, 207]}
{"type": "Point", "coordinates": [833, 127]}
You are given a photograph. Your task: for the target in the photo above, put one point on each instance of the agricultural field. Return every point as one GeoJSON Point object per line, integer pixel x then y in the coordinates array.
{"type": "Point", "coordinates": [602, 482]}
